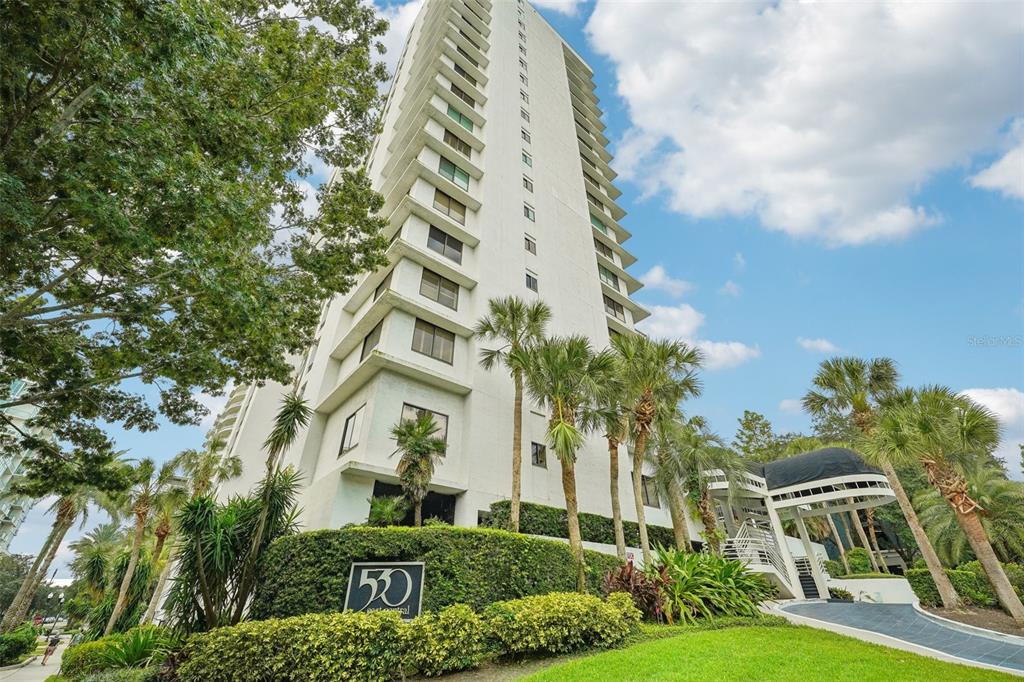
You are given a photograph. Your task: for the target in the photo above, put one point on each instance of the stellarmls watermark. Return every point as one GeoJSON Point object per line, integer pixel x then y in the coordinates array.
{"type": "Point", "coordinates": [996, 340]}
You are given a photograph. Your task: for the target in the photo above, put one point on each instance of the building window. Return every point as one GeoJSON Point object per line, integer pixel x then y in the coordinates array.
{"type": "Point", "coordinates": [649, 492]}
{"type": "Point", "coordinates": [614, 308]}
{"type": "Point", "coordinates": [467, 56]}
{"type": "Point", "coordinates": [468, 39]}
{"type": "Point", "coordinates": [450, 207]}
{"type": "Point", "coordinates": [525, 115]}
{"type": "Point", "coordinates": [439, 289]}
{"type": "Point", "coordinates": [586, 160]}
{"type": "Point", "coordinates": [531, 281]}
{"type": "Point", "coordinates": [523, 96]}
{"type": "Point", "coordinates": [384, 285]}
{"type": "Point", "coordinates": [527, 183]}
{"type": "Point", "coordinates": [433, 341]}
{"type": "Point", "coordinates": [370, 341]}
{"type": "Point", "coordinates": [530, 214]}
{"type": "Point", "coordinates": [591, 180]}
{"type": "Point", "coordinates": [522, 36]}
{"type": "Point", "coordinates": [350, 434]}
{"type": "Point", "coordinates": [531, 245]}
{"type": "Point", "coordinates": [538, 455]}
{"type": "Point", "coordinates": [608, 277]}
{"type": "Point", "coordinates": [465, 74]}
{"type": "Point", "coordinates": [445, 244]}
{"type": "Point", "coordinates": [459, 118]}
{"type": "Point", "coordinates": [457, 144]}
{"type": "Point", "coordinates": [522, 64]}
{"type": "Point", "coordinates": [454, 173]}
{"type": "Point", "coordinates": [412, 413]}
{"type": "Point", "coordinates": [604, 249]}
{"type": "Point", "coordinates": [526, 135]}
{"type": "Point", "coordinates": [523, 79]}
{"type": "Point", "coordinates": [528, 160]}
{"type": "Point", "coordinates": [594, 200]}
{"type": "Point", "coordinates": [461, 94]}
{"type": "Point", "coordinates": [612, 334]}
{"type": "Point", "coordinates": [522, 48]}
{"type": "Point", "coordinates": [601, 227]}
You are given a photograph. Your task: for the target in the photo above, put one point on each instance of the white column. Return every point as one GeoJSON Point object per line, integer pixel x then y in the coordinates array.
{"type": "Point", "coordinates": [780, 541]}
{"type": "Point", "coordinates": [812, 558]}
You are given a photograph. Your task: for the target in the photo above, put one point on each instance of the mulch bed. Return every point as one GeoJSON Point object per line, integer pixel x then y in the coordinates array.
{"type": "Point", "coordinates": [990, 619]}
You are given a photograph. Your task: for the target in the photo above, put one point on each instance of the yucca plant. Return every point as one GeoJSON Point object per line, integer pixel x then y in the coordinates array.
{"type": "Point", "coordinates": [703, 585]}
{"type": "Point", "coordinates": [139, 647]}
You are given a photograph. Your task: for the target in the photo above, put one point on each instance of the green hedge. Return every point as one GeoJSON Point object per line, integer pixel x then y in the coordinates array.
{"type": "Point", "coordinates": [972, 588]}
{"type": "Point", "coordinates": [379, 646]}
{"type": "Point", "coordinates": [17, 643]}
{"type": "Point", "coordinates": [85, 658]}
{"type": "Point", "coordinates": [859, 560]}
{"type": "Point", "coordinates": [538, 519]}
{"type": "Point", "coordinates": [560, 623]}
{"type": "Point", "coordinates": [308, 572]}
{"type": "Point", "coordinates": [1014, 573]}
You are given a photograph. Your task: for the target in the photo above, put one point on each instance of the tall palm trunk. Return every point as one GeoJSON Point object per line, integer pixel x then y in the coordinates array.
{"type": "Point", "coordinates": [30, 585]}
{"type": "Point", "coordinates": [613, 475]}
{"type": "Point", "coordinates": [869, 513]}
{"type": "Point", "coordinates": [133, 561]}
{"type": "Point", "coordinates": [855, 520]}
{"type": "Point", "coordinates": [161, 583]}
{"type": "Point", "coordinates": [707, 517]}
{"type": "Point", "coordinates": [948, 594]}
{"type": "Point", "coordinates": [639, 447]}
{"type": "Point", "coordinates": [839, 542]}
{"type": "Point", "coordinates": [953, 488]}
{"type": "Point", "coordinates": [162, 531]}
{"type": "Point", "coordinates": [417, 513]}
{"type": "Point", "coordinates": [517, 453]}
{"type": "Point", "coordinates": [572, 514]}
{"type": "Point", "coordinates": [677, 510]}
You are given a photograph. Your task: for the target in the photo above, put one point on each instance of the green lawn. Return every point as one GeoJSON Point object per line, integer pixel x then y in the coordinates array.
{"type": "Point", "coordinates": [764, 654]}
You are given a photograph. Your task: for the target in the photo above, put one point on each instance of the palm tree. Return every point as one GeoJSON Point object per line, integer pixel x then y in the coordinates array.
{"type": "Point", "coordinates": [614, 419]}
{"type": "Point", "coordinates": [1003, 518]}
{"type": "Point", "coordinates": [517, 326]}
{"type": "Point", "coordinates": [839, 542]}
{"type": "Point", "coordinates": [669, 470]}
{"type": "Point", "coordinates": [564, 376]}
{"type": "Point", "coordinates": [152, 484]}
{"type": "Point", "coordinates": [420, 450]}
{"type": "Point", "coordinates": [861, 388]}
{"type": "Point", "coordinates": [93, 554]}
{"type": "Point", "coordinates": [67, 509]}
{"type": "Point", "coordinates": [702, 455]}
{"type": "Point", "coordinates": [655, 376]}
{"type": "Point", "coordinates": [292, 417]}
{"type": "Point", "coordinates": [946, 433]}
{"type": "Point", "coordinates": [202, 470]}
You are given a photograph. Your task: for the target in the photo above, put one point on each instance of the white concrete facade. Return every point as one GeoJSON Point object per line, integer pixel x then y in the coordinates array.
{"type": "Point", "coordinates": [14, 508]}
{"type": "Point", "coordinates": [491, 89]}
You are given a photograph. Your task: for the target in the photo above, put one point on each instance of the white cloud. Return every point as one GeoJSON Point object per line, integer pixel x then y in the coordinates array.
{"type": "Point", "coordinates": [730, 288]}
{"type": "Point", "coordinates": [657, 278]}
{"type": "Point", "coordinates": [791, 406]}
{"type": "Point", "coordinates": [823, 120]}
{"type": "Point", "coordinates": [817, 345]}
{"type": "Point", "coordinates": [1006, 174]}
{"type": "Point", "coordinates": [683, 322]}
{"type": "Point", "coordinates": [400, 20]}
{"type": "Point", "coordinates": [739, 261]}
{"type": "Point", "coordinates": [213, 403]}
{"type": "Point", "coordinates": [564, 6]}
{"type": "Point", "coordinates": [1008, 404]}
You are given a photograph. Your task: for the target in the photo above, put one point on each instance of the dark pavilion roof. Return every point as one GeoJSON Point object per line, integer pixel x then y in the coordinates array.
{"type": "Point", "coordinates": [811, 466]}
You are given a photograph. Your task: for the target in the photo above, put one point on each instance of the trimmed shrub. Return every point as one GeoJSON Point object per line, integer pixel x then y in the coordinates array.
{"type": "Point", "coordinates": [336, 646]}
{"type": "Point", "coordinates": [308, 572]}
{"type": "Point", "coordinates": [560, 623]}
{"type": "Point", "coordinates": [85, 658]}
{"type": "Point", "coordinates": [17, 643]}
{"type": "Point", "coordinates": [971, 588]}
{"type": "Point", "coordinates": [834, 568]}
{"type": "Point", "coordinates": [135, 649]}
{"type": "Point", "coordinates": [859, 560]}
{"type": "Point", "coordinates": [1014, 573]}
{"type": "Point", "coordinates": [445, 641]}
{"type": "Point", "coordinates": [539, 519]}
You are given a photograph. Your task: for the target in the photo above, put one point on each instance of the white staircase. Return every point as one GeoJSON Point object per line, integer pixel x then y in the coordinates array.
{"type": "Point", "coordinates": [756, 547]}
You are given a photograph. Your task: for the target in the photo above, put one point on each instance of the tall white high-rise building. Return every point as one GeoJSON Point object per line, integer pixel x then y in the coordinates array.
{"type": "Point", "coordinates": [496, 181]}
{"type": "Point", "coordinates": [14, 507]}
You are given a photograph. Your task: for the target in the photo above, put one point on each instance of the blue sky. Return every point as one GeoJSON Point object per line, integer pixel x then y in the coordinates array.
{"type": "Point", "coordinates": [803, 181]}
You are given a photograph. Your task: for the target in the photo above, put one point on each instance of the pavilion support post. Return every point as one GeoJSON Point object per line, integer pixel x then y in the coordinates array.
{"type": "Point", "coordinates": [812, 558]}
{"type": "Point", "coordinates": [787, 556]}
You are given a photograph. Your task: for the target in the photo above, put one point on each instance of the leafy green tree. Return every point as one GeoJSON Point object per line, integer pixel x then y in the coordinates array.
{"type": "Point", "coordinates": [93, 554]}
{"type": "Point", "coordinates": [1003, 518]}
{"type": "Point", "coordinates": [419, 449]}
{"type": "Point", "coordinates": [700, 451]}
{"type": "Point", "coordinates": [860, 390]}
{"type": "Point", "coordinates": [755, 438]}
{"type": "Point", "coordinates": [517, 326]}
{"type": "Point", "coordinates": [564, 376]}
{"type": "Point", "coordinates": [947, 433]}
{"type": "Point", "coordinates": [154, 489]}
{"type": "Point", "coordinates": [153, 165]}
{"type": "Point", "coordinates": [655, 376]}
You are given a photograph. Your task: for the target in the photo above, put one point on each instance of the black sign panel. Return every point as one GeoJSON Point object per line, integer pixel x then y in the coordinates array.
{"type": "Point", "coordinates": [386, 586]}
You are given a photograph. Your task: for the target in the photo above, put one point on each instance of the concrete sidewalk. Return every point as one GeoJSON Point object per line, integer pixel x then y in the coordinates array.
{"type": "Point", "coordinates": [35, 671]}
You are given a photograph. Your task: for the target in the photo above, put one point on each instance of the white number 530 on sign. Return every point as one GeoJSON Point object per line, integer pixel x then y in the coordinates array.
{"type": "Point", "coordinates": [393, 586]}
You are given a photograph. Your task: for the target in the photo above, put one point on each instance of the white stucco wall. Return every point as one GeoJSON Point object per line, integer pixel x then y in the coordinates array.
{"type": "Point", "coordinates": [878, 590]}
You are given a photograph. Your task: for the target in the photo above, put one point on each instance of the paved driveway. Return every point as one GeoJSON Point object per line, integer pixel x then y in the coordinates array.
{"type": "Point", "coordinates": [903, 621]}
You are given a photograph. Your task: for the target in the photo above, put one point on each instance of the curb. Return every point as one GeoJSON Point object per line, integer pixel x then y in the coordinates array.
{"type": "Point", "coordinates": [19, 665]}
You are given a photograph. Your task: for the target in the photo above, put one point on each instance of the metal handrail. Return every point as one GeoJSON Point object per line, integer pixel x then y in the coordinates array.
{"type": "Point", "coordinates": [753, 545]}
